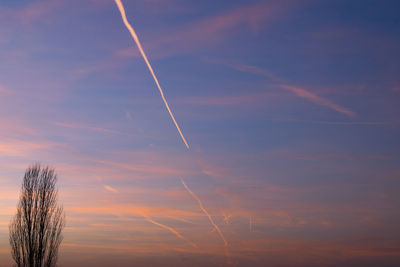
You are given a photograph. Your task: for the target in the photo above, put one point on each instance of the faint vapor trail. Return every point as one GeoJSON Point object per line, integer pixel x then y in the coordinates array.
{"type": "Point", "coordinates": [303, 93]}
{"type": "Point", "coordinates": [172, 230]}
{"type": "Point", "coordinates": [205, 212]}
{"type": "Point", "coordinates": [136, 39]}
{"type": "Point", "coordinates": [211, 221]}
{"type": "Point", "coordinates": [300, 92]}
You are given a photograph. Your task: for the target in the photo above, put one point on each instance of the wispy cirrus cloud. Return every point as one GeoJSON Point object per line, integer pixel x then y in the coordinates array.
{"type": "Point", "coordinates": [204, 32]}
{"type": "Point", "coordinates": [120, 209]}
{"type": "Point", "coordinates": [10, 146]}
{"type": "Point", "coordinates": [209, 218]}
{"type": "Point", "coordinates": [303, 93]}
{"type": "Point", "coordinates": [84, 127]}
{"type": "Point", "coordinates": [298, 91]}
{"type": "Point", "coordinates": [110, 189]}
{"type": "Point", "coordinates": [213, 29]}
{"type": "Point", "coordinates": [33, 11]}
{"type": "Point", "coordinates": [169, 228]}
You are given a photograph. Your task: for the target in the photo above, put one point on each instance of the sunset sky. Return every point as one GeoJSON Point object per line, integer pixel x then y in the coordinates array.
{"type": "Point", "coordinates": [291, 109]}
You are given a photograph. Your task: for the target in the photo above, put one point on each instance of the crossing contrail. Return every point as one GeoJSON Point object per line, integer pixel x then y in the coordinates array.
{"type": "Point", "coordinates": [205, 212]}
{"type": "Point", "coordinates": [211, 221]}
{"type": "Point", "coordinates": [136, 39]}
{"type": "Point", "coordinates": [172, 230]}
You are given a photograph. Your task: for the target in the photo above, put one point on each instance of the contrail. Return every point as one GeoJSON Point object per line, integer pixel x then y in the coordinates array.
{"type": "Point", "coordinates": [136, 39]}
{"type": "Point", "coordinates": [211, 221]}
{"type": "Point", "coordinates": [172, 230]}
{"type": "Point", "coordinates": [303, 93]}
{"type": "Point", "coordinates": [300, 92]}
{"type": "Point", "coordinates": [205, 212]}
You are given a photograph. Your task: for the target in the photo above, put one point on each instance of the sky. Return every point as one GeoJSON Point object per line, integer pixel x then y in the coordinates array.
{"type": "Point", "coordinates": [291, 110]}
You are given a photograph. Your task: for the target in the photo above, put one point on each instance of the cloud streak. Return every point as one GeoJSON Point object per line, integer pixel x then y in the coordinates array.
{"type": "Point", "coordinates": [111, 189]}
{"type": "Point", "coordinates": [216, 29]}
{"type": "Point", "coordinates": [205, 212]}
{"type": "Point", "coordinates": [136, 39]}
{"type": "Point", "coordinates": [209, 218]}
{"type": "Point", "coordinates": [303, 93]}
{"type": "Point", "coordinates": [172, 230]}
{"type": "Point", "coordinates": [298, 91]}
{"type": "Point", "coordinates": [84, 127]}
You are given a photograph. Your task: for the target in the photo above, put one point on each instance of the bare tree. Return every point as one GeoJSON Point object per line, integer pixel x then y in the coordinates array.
{"type": "Point", "coordinates": [36, 229]}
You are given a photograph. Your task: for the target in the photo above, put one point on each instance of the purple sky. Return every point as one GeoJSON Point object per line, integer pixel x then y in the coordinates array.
{"type": "Point", "coordinates": [291, 110]}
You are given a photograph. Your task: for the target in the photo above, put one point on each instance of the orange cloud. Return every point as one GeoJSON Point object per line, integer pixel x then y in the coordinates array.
{"type": "Point", "coordinates": [21, 148]}
{"type": "Point", "coordinates": [128, 209]}
{"type": "Point", "coordinates": [111, 189]}
{"type": "Point", "coordinates": [172, 230]}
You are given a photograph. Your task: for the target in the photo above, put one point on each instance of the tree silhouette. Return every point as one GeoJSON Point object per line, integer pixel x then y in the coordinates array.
{"type": "Point", "coordinates": [36, 229]}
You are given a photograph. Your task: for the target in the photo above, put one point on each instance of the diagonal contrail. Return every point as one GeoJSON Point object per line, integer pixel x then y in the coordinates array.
{"type": "Point", "coordinates": [300, 92]}
{"type": "Point", "coordinates": [205, 212]}
{"type": "Point", "coordinates": [172, 230]}
{"type": "Point", "coordinates": [211, 221]}
{"type": "Point", "coordinates": [136, 39]}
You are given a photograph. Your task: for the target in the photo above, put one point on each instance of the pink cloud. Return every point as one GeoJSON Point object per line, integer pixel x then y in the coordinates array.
{"type": "Point", "coordinates": [298, 91]}
{"type": "Point", "coordinates": [210, 30]}
{"type": "Point", "coordinates": [40, 9]}
{"type": "Point", "coordinates": [34, 11]}
{"type": "Point", "coordinates": [10, 146]}
{"type": "Point", "coordinates": [201, 33]}
{"type": "Point", "coordinates": [303, 93]}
